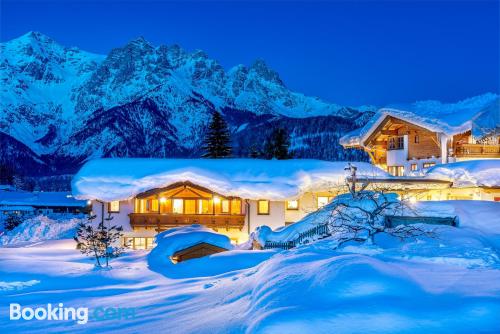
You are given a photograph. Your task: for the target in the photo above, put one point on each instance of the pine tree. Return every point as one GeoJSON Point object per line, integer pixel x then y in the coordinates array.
{"type": "Point", "coordinates": [12, 222]}
{"type": "Point", "coordinates": [217, 143]}
{"type": "Point", "coordinates": [6, 174]}
{"type": "Point", "coordinates": [277, 145]}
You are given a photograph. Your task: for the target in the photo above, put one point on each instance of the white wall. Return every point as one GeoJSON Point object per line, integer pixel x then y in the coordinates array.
{"type": "Point", "coordinates": [121, 218]}
{"type": "Point", "coordinates": [275, 218]}
{"type": "Point", "coordinates": [398, 157]}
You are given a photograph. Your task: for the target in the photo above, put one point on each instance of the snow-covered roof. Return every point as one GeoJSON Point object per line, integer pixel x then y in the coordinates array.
{"type": "Point", "coordinates": [480, 115]}
{"type": "Point", "coordinates": [64, 199]}
{"type": "Point", "coordinates": [16, 208]}
{"type": "Point", "coordinates": [123, 178]}
{"type": "Point", "coordinates": [471, 173]}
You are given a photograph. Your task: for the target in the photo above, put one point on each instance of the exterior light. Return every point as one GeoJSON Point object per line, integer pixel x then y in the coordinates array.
{"type": "Point", "coordinates": [163, 199]}
{"type": "Point", "coordinates": [413, 200]}
{"type": "Point", "coordinates": [216, 200]}
{"type": "Point", "coordinates": [89, 202]}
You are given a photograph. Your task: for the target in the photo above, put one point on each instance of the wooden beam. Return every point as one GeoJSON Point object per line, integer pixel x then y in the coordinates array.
{"type": "Point", "coordinates": [389, 132]}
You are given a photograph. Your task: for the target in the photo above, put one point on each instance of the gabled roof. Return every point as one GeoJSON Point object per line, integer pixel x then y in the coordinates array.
{"type": "Point", "coordinates": [482, 118]}
{"type": "Point", "coordinates": [40, 199]}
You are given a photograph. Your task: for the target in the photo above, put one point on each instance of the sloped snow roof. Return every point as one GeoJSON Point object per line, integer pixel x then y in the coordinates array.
{"type": "Point", "coordinates": [480, 114]}
{"type": "Point", "coordinates": [472, 173]}
{"type": "Point", "coordinates": [39, 199]}
{"type": "Point", "coordinates": [123, 178]}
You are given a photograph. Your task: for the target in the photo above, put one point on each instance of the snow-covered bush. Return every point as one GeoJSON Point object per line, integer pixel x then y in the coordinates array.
{"type": "Point", "coordinates": [12, 222]}
{"type": "Point", "coordinates": [361, 216]}
{"type": "Point", "coordinates": [40, 228]}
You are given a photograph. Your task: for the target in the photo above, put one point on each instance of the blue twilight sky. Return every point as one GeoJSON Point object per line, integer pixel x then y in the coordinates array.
{"type": "Point", "coordinates": [363, 52]}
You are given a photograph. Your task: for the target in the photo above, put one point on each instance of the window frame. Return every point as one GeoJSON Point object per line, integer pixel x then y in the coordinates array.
{"type": "Point", "coordinates": [173, 206]}
{"type": "Point", "coordinates": [428, 164]}
{"type": "Point", "coordinates": [414, 169]}
{"type": "Point", "coordinates": [268, 207]}
{"type": "Point", "coordinates": [394, 170]}
{"type": "Point", "coordinates": [292, 209]}
{"type": "Point", "coordinates": [113, 211]}
{"type": "Point", "coordinates": [222, 211]}
{"type": "Point", "coordinates": [328, 200]}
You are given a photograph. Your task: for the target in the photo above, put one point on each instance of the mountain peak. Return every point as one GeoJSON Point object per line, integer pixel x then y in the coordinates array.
{"type": "Point", "coordinates": [36, 36]}
{"type": "Point", "coordinates": [140, 42]}
{"type": "Point", "coordinates": [260, 67]}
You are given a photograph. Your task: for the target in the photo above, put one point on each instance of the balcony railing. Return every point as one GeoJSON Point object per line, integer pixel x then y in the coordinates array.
{"type": "Point", "coordinates": [164, 221]}
{"type": "Point", "coordinates": [477, 151]}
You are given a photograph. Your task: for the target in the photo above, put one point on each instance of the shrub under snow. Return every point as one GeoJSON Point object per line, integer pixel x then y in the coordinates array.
{"type": "Point", "coordinates": [40, 228]}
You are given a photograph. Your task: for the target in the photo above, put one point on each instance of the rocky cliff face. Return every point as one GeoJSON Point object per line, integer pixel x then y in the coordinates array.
{"type": "Point", "coordinates": [61, 106]}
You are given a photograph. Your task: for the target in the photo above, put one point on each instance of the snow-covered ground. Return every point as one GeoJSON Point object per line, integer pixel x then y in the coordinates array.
{"type": "Point", "coordinates": [446, 285]}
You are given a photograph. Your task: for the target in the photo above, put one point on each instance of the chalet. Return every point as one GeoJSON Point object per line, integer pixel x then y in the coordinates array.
{"type": "Point", "coordinates": [235, 196]}
{"type": "Point", "coordinates": [23, 202]}
{"type": "Point", "coordinates": [230, 196]}
{"type": "Point", "coordinates": [406, 143]}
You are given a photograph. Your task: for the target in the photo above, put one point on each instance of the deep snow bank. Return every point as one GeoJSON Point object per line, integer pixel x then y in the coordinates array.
{"type": "Point", "coordinates": [41, 228]}
{"type": "Point", "coordinates": [470, 173]}
{"type": "Point", "coordinates": [118, 179]}
{"type": "Point", "coordinates": [175, 239]}
{"type": "Point", "coordinates": [481, 216]}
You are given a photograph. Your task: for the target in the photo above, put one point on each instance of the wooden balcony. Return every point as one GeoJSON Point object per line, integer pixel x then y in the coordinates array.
{"type": "Point", "coordinates": [477, 151]}
{"type": "Point", "coordinates": [165, 221]}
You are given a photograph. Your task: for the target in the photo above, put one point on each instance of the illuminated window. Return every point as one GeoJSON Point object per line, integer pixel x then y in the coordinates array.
{"type": "Point", "coordinates": [236, 207]}
{"type": "Point", "coordinates": [322, 201]}
{"type": "Point", "coordinates": [414, 167]}
{"type": "Point", "coordinates": [203, 206]}
{"type": "Point", "coordinates": [224, 208]}
{"type": "Point", "coordinates": [178, 206]}
{"type": "Point", "coordinates": [114, 206]}
{"type": "Point", "coordinates": [150, 243]}
{"type": "Point", "coordinates": [396, 170]}
{"type": "Point", "coordinates": [154, 205]}
{"type": "Point", "coordinates": [139, 243]}
{"type": "Point", "coordinates": [417, 140]}
{"type": "Point", "coordinates": [263, 207]}
{"type": "Point", "coordinates": [292, 205]}
{"type": "Point", "coordinates": [429, 164]}
{"type": "Point", "coordinates": [190, 206]}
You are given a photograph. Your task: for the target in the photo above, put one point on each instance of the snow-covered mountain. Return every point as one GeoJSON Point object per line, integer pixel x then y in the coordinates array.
{"type": "Point", "coordinates": [61, 106]}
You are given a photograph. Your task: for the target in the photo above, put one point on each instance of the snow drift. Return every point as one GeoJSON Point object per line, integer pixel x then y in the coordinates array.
{"type": "Point", "coordinates": [41, 228]}
{"type": "Point", "coordinates": [484, 173]}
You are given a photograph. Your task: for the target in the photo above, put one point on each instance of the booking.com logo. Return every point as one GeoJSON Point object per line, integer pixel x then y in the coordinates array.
{"type": "Point", "coordinates": [81, 315]}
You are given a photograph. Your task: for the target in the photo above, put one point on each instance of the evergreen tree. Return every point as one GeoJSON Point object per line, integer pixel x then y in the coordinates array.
{"type": "Point", "coordinates": [6, 174]}
{"type": "Point", "coordinates": [99, 242]}
{"type": "Point", "coordinates": [277, 145]}
{"type": "Point", "coordinates": [254, 152]}
{"type": "Point", "coordinates": [217, 143]}
{"type": "Point", "coordinates": [12, 222]}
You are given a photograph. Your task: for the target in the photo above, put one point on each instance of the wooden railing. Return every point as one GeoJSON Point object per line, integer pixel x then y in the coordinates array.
{"type": "Point", "coordinates": [477, 150]}
{"type": "Point", "coordinates": [318, 232]}
{"type": "Point", "coordinates": [164, 221]}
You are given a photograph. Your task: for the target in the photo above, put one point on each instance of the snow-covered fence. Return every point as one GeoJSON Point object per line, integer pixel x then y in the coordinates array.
{"type": "Point", "coordinates": [279, 244]}
{"type": "Point", "coordinates": [318, 232]}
